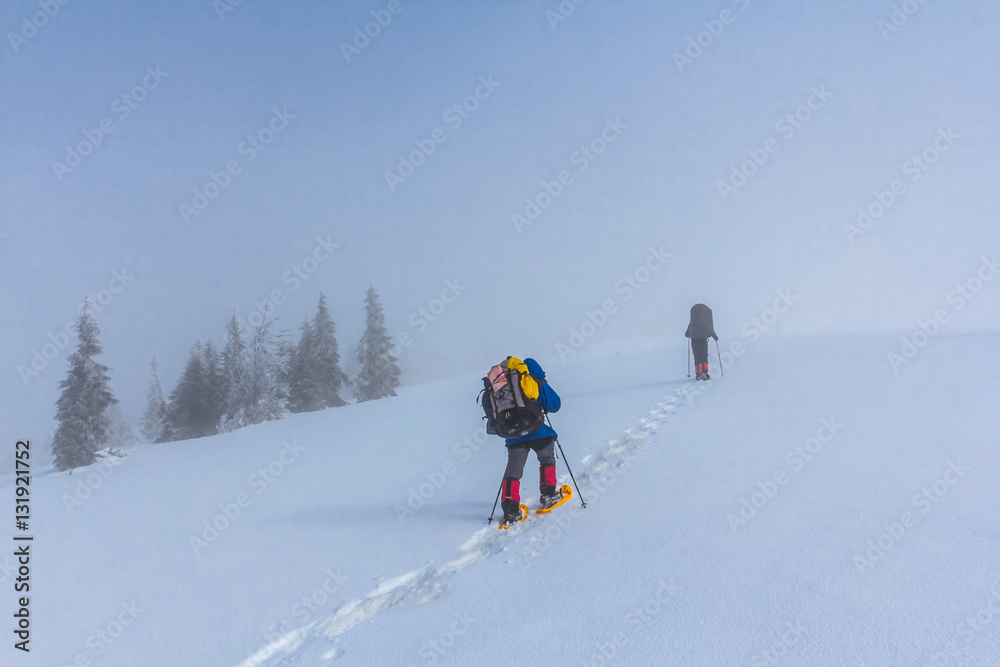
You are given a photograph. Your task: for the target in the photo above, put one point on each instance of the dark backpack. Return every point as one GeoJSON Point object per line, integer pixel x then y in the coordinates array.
{"type": "Point", "coordinates": [509, 413]}
{"type": "Point", "coordinates": [701, 325]}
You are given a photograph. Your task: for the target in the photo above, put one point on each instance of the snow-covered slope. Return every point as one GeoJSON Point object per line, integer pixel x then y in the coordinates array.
{"type": "Point", "coordinates": [811, 507]}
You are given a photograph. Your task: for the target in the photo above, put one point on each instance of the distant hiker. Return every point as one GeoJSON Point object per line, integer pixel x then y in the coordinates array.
{"type": "Point", "coordinates": [699, 330]}
{"type": "Point", "coordinates": [515, 399]}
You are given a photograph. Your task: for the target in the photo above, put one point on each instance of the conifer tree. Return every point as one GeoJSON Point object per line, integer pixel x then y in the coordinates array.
{"type": "Point", "coordinates": [260, 393]}
{"type": "Point", "coordinates": [188, 414]}
{"type": "Point", "coordinates": [286, 360]}
{"type": "Point", "coordinates": [156, 407]}
{"type": "Point", "coordinates": [233, 366]}
{"type": "Point", "coordinates": [379, 374]}
{"type": "Point", "coordinates": [85, 426]}
{"type": "Point", "coordinates": [315, 378]}
{"type": "Point", "coordinates": [213, 384]}
{"type": "Point", "coordinates": [301, 389]}
{"type": "Point", "coordinates": [325, 370]}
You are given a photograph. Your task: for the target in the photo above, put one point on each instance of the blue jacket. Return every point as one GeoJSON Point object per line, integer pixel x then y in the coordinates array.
{"type": "Point", "coordinates": [547, 398]}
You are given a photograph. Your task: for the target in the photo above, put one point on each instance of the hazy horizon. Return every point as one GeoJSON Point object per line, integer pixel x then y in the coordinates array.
{"type": "Point", "coordinates": [298, 136]}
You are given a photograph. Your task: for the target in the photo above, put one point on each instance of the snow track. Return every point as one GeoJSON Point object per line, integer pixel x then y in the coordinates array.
{"type": "Point", "coordinates": [429, 583]}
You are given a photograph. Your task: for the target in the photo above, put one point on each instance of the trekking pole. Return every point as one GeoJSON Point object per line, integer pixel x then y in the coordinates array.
{"type": "Point", "coordinates": [495, 504]}
{"type": "Point", "coordinates": [721, 369]}
{"type": "Point", "coordinates": [689, 357]}
{"type": "Point", "coordinates": [582, 502]}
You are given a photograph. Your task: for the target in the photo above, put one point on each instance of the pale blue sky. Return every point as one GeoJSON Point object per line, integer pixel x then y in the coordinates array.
{"type": "Point", "coordinates": [323, 175]}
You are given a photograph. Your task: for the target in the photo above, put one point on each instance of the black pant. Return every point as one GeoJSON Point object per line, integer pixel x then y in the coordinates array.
{"type": "Point", "coordinates": [700, 348]}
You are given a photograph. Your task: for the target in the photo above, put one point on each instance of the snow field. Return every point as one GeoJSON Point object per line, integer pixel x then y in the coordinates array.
{"type": "Point", "coordinates": [864, 535]}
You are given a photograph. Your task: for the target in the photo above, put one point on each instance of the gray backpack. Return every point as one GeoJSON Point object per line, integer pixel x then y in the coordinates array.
{"type": "Point", "coordinates": [509, 413]}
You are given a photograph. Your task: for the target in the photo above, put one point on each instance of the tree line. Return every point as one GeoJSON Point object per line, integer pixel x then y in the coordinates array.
{"type": "Point", "coordinates": [259, 375]}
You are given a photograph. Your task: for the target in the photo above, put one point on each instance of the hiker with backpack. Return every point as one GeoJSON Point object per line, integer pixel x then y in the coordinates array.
{"type": "Point", "coordinates": [699, 330]}
{"type": "Point", "coordinates": [516, 398]}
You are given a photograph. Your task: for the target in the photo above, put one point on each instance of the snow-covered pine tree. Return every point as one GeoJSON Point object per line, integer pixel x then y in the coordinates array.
{"type": "Point", "coordinates": [85, 426]}
{"type": "Point", "coordinates": [379, 374]}
{"type": "Point", "coordinates": [120, 427]}
{"type": "Point", "coordinates": [213, 384]}
{"type": "Point", "coordinates": [156, 407]}
{"type": "Point", "coordinates": [233, 367]}
{"type": "Point", "coordinates": [286, 358]}
{"type": "Point", "coordinates": [301, 388]}
{"type": "Point", "coordinates": [260, 395]}
{"type": "Point", "coordinates": [325, 370]}
{"type": "Point", "coordinates": [187, 411]}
